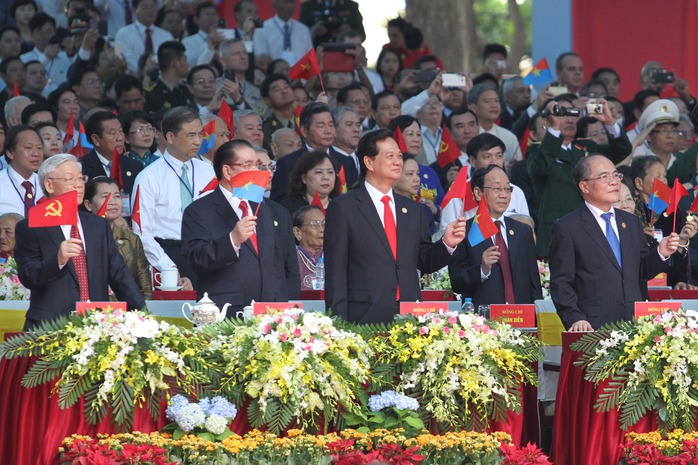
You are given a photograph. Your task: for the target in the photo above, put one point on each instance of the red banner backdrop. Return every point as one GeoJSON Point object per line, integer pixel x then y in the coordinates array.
{"type": "Point", "coordinates": [624, 34]}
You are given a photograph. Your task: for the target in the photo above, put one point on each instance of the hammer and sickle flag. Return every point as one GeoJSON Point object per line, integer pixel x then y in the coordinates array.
{"type": "Point", "coordinates": [56, 211]}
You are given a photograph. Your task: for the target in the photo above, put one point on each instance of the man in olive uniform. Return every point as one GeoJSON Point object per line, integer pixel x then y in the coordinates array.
{"type": "Point", "coordinates": [168, 91]}
{"type": "Point", "coordinates": [278, 95]}
{"type": "Point", "coordinates": [327, 18]}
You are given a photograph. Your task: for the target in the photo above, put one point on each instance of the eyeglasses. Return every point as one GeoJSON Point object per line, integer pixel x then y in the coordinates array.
{"type": "Point", "coordinates": [143, 130]}
{"type": "Point", "coordinates": [665, 132]}
{"type": "Point", "coordinates": [74, 181]}
{"type": "Point", "coordinates": [93, 82]}
{"type": "Point", "coordinates": [201, 82]}
{"type": "Point", "coordinates": [683, 133]}
{"type": "Point", "coordinates": [607, 178]}
{"type": "Point", "coordinates": [316, 224]}
{"type": "Point", "coordinates": [500, 190]}
{"type": "Point", "coordinates": [271, 167]}
{"type": "Point", "coordinates": [247, 166]}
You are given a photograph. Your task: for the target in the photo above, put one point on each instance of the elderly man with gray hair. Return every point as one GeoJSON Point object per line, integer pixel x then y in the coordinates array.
{"type": "Point", "coordinates": [348, 127]}
{"type": "Point", "coordinates": [62, 265]}
{"type": "Point", "coordinates": [516, 98]}
{"type": "Point", "coordinates": [248, 126]}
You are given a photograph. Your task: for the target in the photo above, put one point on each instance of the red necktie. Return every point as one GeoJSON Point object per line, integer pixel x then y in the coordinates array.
{"type": "Point", "coordinates": [390, 231]}
{"type": "Point", "coordinates": [253, 237]}
{"type": "Point", "coordinates": [127, 11]}
{"type": "Point", "coordinates": [28, 197]}
{"type": "Point", "coordinates": [80, 263]}
{"type": "Point", "coordinates": [148, 40]}
{"type": "Point", "coordinates": [504, 263]}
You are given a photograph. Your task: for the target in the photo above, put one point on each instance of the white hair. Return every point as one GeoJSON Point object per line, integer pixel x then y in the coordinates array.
{"type": "Point", "coordinates": [50, 164]}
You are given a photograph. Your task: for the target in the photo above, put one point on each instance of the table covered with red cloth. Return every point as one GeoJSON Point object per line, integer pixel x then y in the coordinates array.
{"type": "Point", "coordinates": [672, 294]}
{"type": "Point", "coordinates": [580, 435]}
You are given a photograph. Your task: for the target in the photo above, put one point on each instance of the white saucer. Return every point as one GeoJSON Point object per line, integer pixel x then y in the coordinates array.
{"type": "Point", "coordinates": [176, 288]}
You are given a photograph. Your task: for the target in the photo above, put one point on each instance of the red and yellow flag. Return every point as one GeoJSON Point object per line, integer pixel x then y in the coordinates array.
{"type": "Point", "coordinates": [226, 114]}
{"type": "Point", "coordinates": [448, 150]}
{"type": "Point", "coordinates": [342, 180]}
{"type": "Point", "coordinates": [399, 138]}
{"type": "Point", "coordinates": [103, 209]}
{"type": "Point", "coordinates": [136, 213]}
{"type": "Point", "coordinates": [306, 67]}
{"type": "Point", "coordinates": [56, 211]}
{"type": "Point", "coordinates": [318, 203]}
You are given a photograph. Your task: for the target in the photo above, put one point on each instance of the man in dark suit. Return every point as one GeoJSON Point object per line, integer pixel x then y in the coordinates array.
{"type": "Point", "coordinates": [236, 254]}
{"type": "Point", "coordinates": [318, 132]}
{"type": "Point", "coordinates": [48, 259]}
{"type": "Point", "coordinates": [599, 254]}
{"type": "Point", "coordinates": [104, 131]}
{"type": "Point", "coordinates": [377, 240]}
{"type": "Point", "coordinates": [489, 272]}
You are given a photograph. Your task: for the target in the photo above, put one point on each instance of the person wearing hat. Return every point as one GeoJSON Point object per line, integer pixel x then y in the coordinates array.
{"type": "Point", "coordinates": [663, 114]}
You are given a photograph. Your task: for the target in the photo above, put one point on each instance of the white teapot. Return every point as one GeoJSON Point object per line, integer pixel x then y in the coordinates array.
{"type": "Point", "coordinates": [204, 312]}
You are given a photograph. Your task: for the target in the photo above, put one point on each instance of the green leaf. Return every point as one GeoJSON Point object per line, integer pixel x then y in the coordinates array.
{"type": "Point", "coordinates": [206, 437]}
{"type": "Point", "coordinates": [414, 422]}
{"type": "Point", "coordinates": [70, 392]}
{"type": "Point", "coordinates": [391, 423]}
{"type": "Point", "coordinates": [94, 413]}
{"type": "Point", "coordinates": [42, 372]}
{"type": "Point", "coordinates": [226, 433]}
{"type": "Point", "coordinates": [122, 407]}
{"type": "Point", "coordinates": [608, 400]}
{"type": "Point", "coordinates": [178, 434]}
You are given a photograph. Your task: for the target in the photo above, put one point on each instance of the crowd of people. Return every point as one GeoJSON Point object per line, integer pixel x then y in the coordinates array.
{"type": "Point", "coordinates": [112, 98]}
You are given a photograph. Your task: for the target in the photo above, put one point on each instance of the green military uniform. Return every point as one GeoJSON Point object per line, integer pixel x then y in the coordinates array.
{"type": "Point", "coordinates": [551, 169]}
{"type": "Point", "coordinates": [684, 168]}
{"type": "Point", "coordinates": [335, 14]}
{"type": "Point", "coordinates": [162, 96]}
{"type": "Point", "coordinates": [270, 125]}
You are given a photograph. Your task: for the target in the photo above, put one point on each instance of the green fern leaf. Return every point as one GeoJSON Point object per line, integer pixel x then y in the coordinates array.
{"type": "Point", "coordinates": [94, 413]}
{"type": "Point", "coordinates": [42, 372]}
{"type": "Point", "coordinates": [122, 407]}
{"type": "Point", "coordinates": [70, 392]}
{"type": "Point", "coordinates": [608, 400]}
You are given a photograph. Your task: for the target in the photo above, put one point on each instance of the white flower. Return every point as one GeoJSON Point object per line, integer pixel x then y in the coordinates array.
{"type": "Point", "coordinates": [140, 327]}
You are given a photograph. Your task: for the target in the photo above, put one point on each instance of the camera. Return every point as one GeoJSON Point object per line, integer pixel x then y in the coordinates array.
{"type": "Point", "coordinates": [594, 108]}
{"type": "Point", "coordinates": [662, 76]}
{"type": "Point", "coordinates": [559, 110]}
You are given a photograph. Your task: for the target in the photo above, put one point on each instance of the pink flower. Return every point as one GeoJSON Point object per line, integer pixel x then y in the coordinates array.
{"type": "Point", "coordinates": [266, 329]}
{"type": "Point", "coordinates": [423, 331]}
{"type": "Point", "coordinates": [447, 329]}
{"type": "Point", "coordinates": [485, 328]}
{"type": "Point", "coordinates": [452, 320]}
{"type": "Point", "coordinates": [667, 330]}
{"type": "Point", "coordinates": [437, 321]}
{"type": "Point", "coordinates": [308, 347]}
{"type": "Point", "coordinates": [461, 334]}
{"type": "Point", "coordinates": [284, 337]}
{"type": "Point", "coordinates": [297, 332]}
{"type": "Point", "coordinates": [657, 340]}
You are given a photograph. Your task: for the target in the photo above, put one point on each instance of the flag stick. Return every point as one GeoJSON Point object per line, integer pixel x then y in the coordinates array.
{"type": "Point", "coordinates": [322, 84]}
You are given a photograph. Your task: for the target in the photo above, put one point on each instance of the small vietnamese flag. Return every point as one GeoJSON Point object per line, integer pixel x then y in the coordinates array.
{"type": "Point", "coordinates": [306, 67]}
{"type": "Point", "coordinates": [540, 74]}
{"type": "Point", "coordinates": [69, 133]}
{"type": "Point", "coordinates": [469, 201]}
{"type": "Point", "coordinates": [15, 88]}
{"type": "Point", "coordinates": [482, 227]}
{"type": "Point", "coordinates": [677, 192]}
{"type": "Point", "coordinates": [250, 185]}
{"type": "Point", "coordinates": [297, 113]}
{"type": "Point", "coordinates": [694, 205]}
{"type": "Point", "coordinates": [448, 150]}
{"type": "Point", "coordinates": [457, 187]}
{"type": "Point", "coordinates": [136, 213]}
{"type": "Point", "coordinates": [212, 184]}
{"type": "Point", "coordinates": [56, 211]}
{"type": "Point", "coordinates": [103, 209]}
{"type": "Point", "coordinates": [209, 137]}
{"type": "Point", "coordinates": [401, 140]}
{"type": "Point", "coordinates": [342, 180]}
{"type": "Point", "coordinates": [318, 203]}
{"type": "Point", "coordinates": [226, 114]}
{"type": "Point", "coordinates": [660, 197]}
{"type": "Point", "coordinates": [115, 172]}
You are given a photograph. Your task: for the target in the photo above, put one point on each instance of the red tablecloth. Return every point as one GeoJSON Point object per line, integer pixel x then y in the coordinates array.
{"type": "Point", "coordinates": [671, 294]}
{"type": "Point", "coordinates": [174, 295]}
{"type": "Point", "coordinates": [580, 435]}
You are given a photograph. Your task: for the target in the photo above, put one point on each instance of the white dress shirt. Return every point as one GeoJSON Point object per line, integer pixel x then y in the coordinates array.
{"type": "Point", "coordinates": [132, 37]}
{"type": "Point", "coordinates": [431, 143]}
{"type": "Point", "coordinates": [106, 164]}
{"type": "Point", "coordinates": [158, 187]}
{"type": "Point", "coordinates": [56, 68]}
{"type": "Point", "coordinates": [269, 40]}
{"type": "Point", "coordinates": [12, 192]}
{"type": "Point", "coordinates": [114, 12]}
{"type": "Point", "coordinates": [511, 142]}
{"type": "Point", "coordinates": [196, 46]}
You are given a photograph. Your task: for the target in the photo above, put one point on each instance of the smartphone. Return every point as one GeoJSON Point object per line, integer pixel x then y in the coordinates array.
{"type": "Point", "coordinates": [425, 76]}
{"type": "Point", "coordinates": [453, 80]}
{"type": "Point", "coordinates": [229, 74]}
{"type": "Point", "coordinates": [662, 76]}
{"type": "Point", "coordinates": [103, 27]}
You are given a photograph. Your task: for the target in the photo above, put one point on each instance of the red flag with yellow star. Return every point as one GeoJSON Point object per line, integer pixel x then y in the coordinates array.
{"type": "Point", "coordinates": [103, 209]}
{"type": "Point", "coordinates": [136, 213]}
{"type": "Point", "coordinates": [342, 180]}
{"type": "Point", "coordinates": [448, 150]}
{"type": "Point", "coordinates": [297, 115]}
{"type": "Point", "coordinates": [306, 67]}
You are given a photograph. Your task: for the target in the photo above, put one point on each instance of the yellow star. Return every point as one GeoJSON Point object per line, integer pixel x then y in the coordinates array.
{"type": "Point", "coordinates": [247, 186]}
{"type": "Point", "coordinates": [305, 66]}
{"type": "Point", "coordinates": [476, 218]}
{"type": "Point", "coordinates": [536, 72]}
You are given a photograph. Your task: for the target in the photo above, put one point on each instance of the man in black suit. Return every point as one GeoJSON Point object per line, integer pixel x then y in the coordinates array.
{"type": "Point", "coordinates": [104, 131]}
{"type": "Point", "coordinates": [318, 132]}
{"type": "Point", "coordinates": [46, 257]}
{"type": "Point", "coordinates": [236, 254]}
{"type": "Point", "coordinates": [599, 254]}
{"type": "Point", "coordinates": [489, 272]}
{"type": "Point", "coordinates": [375, 240]}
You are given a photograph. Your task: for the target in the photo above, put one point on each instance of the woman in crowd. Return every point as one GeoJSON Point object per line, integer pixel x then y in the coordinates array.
{"type": "Point", "coordinates": [388, 66]}
{"type": "Point", "coordinates": [309, 230]}
{"type": "Point", "coordinates": [408, 186]}
{"type": "Point", "coordinates": [51, 138]}
{"type": "Point", "coordinates": [22, 11]}
{"type": "Point", "coordinates": [8, 221]}
{"type": "Point", "coordinates": [643, 171]}
{"type": "Point", "coordinates": [96, 192]}
{"type": "Point", "coordinates": [313, 176]}
{"type": "Point", "coordinates": [431, 192]}
{"type": "Point", "coordinates": [65, 101]}
{"type": "Point", "coordinates": [140, 135]}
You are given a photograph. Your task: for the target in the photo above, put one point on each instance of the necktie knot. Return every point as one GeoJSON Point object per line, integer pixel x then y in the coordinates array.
{"type": "Point", "coordinates": [28, 186]}
{"type": "Point", "coordinates": [607, 216]}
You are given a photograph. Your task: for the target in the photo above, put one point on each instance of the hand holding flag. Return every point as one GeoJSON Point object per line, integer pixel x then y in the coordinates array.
{"type": "Point", "coordinates": [482, 227]}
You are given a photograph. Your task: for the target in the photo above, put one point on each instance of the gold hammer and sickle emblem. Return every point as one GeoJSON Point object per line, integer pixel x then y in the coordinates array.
{"type": "Point", "coordinates": [55, 208]}
{"type": "Point", "coordinates": [443, 146]}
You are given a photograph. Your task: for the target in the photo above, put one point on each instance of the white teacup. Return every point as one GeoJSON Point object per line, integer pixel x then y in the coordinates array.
{"type": "Point", "coordinates": [247, 313]}
{"type": "Point", "coordinates": [168, 278]}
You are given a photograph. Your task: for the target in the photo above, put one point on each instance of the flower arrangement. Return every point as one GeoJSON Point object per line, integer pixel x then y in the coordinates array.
{"type": "Point", "coordinates": [437, 281]}
{"type": "Point", "coordinates": [544, 272]}
{"type": "Point", "coordinates": [465, 370]}
{"type": "Point", "coordinates": [10, 287]}
{"type": "Point", "coordinates": [656, 447]}
{"type": "Point", "coordinates": [115, 359]}
{"type": "Point", "coordinates": [208, 419]}
{"type": "Point", "coordinates": [649, 365]}
{"type": "Point", "coordinates": [293, 366]}
{"type": "Point", "coordinates": [81, 450]}
{"type": "Point", "coordinates": [388, 410]}
{"type": "Point", "coordinates": [346, 447]}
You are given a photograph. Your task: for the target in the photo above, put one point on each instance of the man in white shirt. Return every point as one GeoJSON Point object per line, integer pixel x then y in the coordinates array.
{"type": "Point", "coordinates": [19, 184]}
{"type": "Point", "coordinates": [167, 186]}
{"type": "Point", "coordinates": [206, 18]}
{"type": "Point", "coordinates": [282, 36]}
{"type": "Point", "coordinates": [54, 59]}
{"type": "Point", "coordinates": [348, 129]}
{"type": "Point", "coordinates": [118, 13]}
{"type": "Point", "coordinates": [484, 150]}
{"type": "Point", "coordinates": [142, 35]}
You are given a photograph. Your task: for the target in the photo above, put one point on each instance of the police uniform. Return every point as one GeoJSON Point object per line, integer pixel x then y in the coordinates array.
{"type": "Point", "coordinates": [270, 125]}
{"type": "Point", "coordinates": [334, 13]}
{"type": "Point", "coordinates": [161, 96]}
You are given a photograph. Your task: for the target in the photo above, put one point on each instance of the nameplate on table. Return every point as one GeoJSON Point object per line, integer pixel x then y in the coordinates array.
{"type": "Point", "coordinates": [655, 308]}
{"type": "Point", "coordinates": [81, 308]}
{"type": "Point", "coordinates": [262, 308]}
{"type": "Point", "coordinates": [659, 280]}
{"type": "Point", "coordinates": [518, 316]}
{"type": "Point", "coordinates": [422, 308]}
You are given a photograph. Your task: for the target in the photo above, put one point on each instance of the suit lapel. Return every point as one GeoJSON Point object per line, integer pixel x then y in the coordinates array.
{"type": "Point", "coordinates": [92, 240]}
{"type": "Point", "coordinates": [626, 246]}
{"type": "Point", "coordinates": [368, 210]}
{"type": "Point", "coordinates": [591, 226]}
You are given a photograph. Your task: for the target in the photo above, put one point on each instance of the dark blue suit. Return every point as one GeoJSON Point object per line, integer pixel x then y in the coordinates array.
{"type": "Point", "coordinates": [586, 282]}
{"type": "Point", "coordinates": [361, 273]}
{"type": "Point", "coordinates": [464, 269]}
{"type": "Point", "coordinates": [227, 277]}
{"type": "Point", "coordinates": [92, 167]}
{"type": "Point", "coordinates": [54, 291]}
